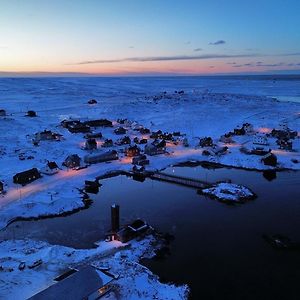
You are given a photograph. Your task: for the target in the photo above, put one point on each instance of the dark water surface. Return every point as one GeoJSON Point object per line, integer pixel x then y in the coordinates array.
{"type": "Point", "coordinates": [218, 249]}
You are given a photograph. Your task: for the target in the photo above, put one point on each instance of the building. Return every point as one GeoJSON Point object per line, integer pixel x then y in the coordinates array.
{"type": "Point", "coordinates": [77, 127]}
{"type": "Point", "coordinates": [2, 113]}
{"type": "Point", "coordinates": [95, 135]}
{"type": "Point", "coordinates": [91, 186]}
{"type": "Point", "coordinates": [50, 169]}
{"type": "Point", "coordinates": [107, 143]}
{"type": "Point", "coordinates": [269, 159]}
{"type": "Point", "coordinates": [260, 139]}
{"type": "Point", "coordinates": [140, 160]}
{"type": "Point", "coordinates": [85, 283]}
{"type": "Point", "coordinates": [101, 157]}
{"type": "Point", "coordinates": [72, 161]}
{"type": "Point", "coordinates": [131, 231]}
{"type": "Point", "coordinates": [248, 128]}
{"type": "Point", "coordinates": [124, 141]}
{"type": "Point", "coordinates": [120, 130]}
{"type": "Point", "coordinates": [155, 148]}
{"type": "Point", "coordinates": [144, 131]}
{"type": "Point", "coordinates": [239, 131]}
{"type": "Point", "coordinates": [90, 144]}
{"type": "Point", "coordinates": [98, 123]}
{"type": "Point", "coordinates": [132, 151]}
{"type": "Point", "coordinates": [285, 144]}
{"type": "Point", "coordinates": [206, 142]}
{"type": "Point", "coordinates": [26, 176]}
{"type": "Point", "coordinates": [47, 135]}
{"type": "Point", "coordinates": [1, 187]}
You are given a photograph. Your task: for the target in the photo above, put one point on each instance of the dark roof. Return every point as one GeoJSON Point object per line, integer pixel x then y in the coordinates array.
{"type": "Point", "coordinates": [52, 165]}
{"type": "Point", "coordinates": [77, 286]}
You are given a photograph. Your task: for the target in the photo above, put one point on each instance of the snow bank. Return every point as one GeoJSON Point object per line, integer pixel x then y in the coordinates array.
{"type": "Point", "coordinates": [229, 192]}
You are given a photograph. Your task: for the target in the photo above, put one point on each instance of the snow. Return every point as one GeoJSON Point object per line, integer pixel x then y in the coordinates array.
{"type": "Point", "coordinates": [134, 281]}
{"type": "Point", "coordinates": [229, 192]}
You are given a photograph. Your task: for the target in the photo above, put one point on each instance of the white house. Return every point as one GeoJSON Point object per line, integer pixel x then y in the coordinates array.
{"type": "Point", "coordinates": [50, 169]}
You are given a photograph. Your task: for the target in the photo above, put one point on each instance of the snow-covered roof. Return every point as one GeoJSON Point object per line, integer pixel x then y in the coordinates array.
{"type": "Point", "coordinates": [78, 285]}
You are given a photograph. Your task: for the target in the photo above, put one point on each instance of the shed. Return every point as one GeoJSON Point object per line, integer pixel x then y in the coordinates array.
{"type": "Point", "coordinates": [26, 176]}
{"type": "Point", "coordinates": [86, 283]}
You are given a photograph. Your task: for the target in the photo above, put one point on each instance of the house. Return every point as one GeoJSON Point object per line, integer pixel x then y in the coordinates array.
{"type": "Point", "coordinates": [120, 130]}
{"type": "Point", "coordinates": [155, 134]}
{"type": "Point", "coordinates": [1, 187]}
{"type": "Point", "coordinates": [87, 282]}
{"type": "Point", "coordinates": [124, 141]}
{"type": "Point", "coordinates": [72, 161]}
{"type": "Point", "coordinates": [226, 139]}
{"type": "Point", "coordinates": [98, 123]}
{"type": "Point", "coordinates": [284, 133]}
{"type": "Point", "coordinates": [155, 148]}
{"type": "Point", "coordinates": [206, 142]}
{"type": "Point", "coordinates": [47, 135]}
{"type": "Point", "coordinates": [260, 150]}
{"type": "Point", "coordinates": [92, 101]}
{"type": "Point", "coordinates": [132, 151]}
{"type": "Point", "coordinates": [260, 139]}
{"type": "Point", "coordinates": [248, 128]}
{"type": "Point", "coordinates": [91, 186]}
{"type": "Point", "coordinates": [77, 127]}
{"type": "Point", "coordinates": [285, 144]}
{"type": "Point", "coordinates": [140, 160]}
{"type": "Point", "coordinates": [67, 123]}
{"type": "Point", "coordinates": [269, 159]}
{"type": "Point", "coordinates": [185, 142]}
{"type": "Point", "coordinates": [31, 113]}
{"type": "Point", "coordinates": [144, 131]}
{"type": "Point", "coordinates": [107, 143]}
{"type": "Point", "coordinates": [26, 176]}
{"type": "Point", "coordinates": [2, 113]}
{"type": "Point", "coordinates": [101, 157]}
{"type": "Point", "coordinates": [239, 131]}
{"type": "Point", "coordinates": [90, 144]}
{"type": "Point", "coordinates": [215, 150]}
{"type": "Point", "coordinates": [131, 231]}
{"type": "Point", "coordinates": [50, 169]}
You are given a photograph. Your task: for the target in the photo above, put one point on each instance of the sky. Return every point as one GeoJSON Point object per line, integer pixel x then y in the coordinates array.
{"type": "Point", "coordinates": [125, 37]}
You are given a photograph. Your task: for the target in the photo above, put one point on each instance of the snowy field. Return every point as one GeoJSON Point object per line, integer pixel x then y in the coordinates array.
{"type": "Point", "coordinates": [202, 110]}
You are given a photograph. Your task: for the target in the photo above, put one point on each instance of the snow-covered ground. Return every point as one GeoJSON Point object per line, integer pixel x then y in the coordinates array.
{"type": "Point", "coordinates": [196, 113]}
{"type": "Point", "coordinates": [134, 281]}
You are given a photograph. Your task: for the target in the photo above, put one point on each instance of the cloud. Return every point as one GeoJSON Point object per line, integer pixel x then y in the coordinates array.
{"type": "Point", "coordinates": [219, 42]}
{"type": "Point", "coordinates": [262, 64]}
{"type": "Point", "coordinates": [131, 47]}
{"type": "Point", "coordinates": [198, 49]}
{"type": "Point", "coordinates": [187, 43]}
{"type": "Point", "coordinates": [163, 58]}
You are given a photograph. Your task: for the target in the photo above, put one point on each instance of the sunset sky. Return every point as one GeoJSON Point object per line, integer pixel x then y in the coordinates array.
{"type": "Point", "coordinates": [111, 37]}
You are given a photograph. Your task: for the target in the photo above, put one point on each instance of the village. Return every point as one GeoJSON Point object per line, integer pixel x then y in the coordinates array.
{"type": "Point", "coordinates": [59, 165]}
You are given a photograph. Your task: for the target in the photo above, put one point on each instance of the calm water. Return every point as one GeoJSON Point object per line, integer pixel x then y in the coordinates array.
{"type": "Point", "coordinates": [218, 249]}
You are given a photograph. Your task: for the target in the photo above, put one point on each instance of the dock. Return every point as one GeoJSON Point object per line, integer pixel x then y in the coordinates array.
{"type": "Point", "coordinates": [180, 180]}
{"type": "Point", "coordinates": [170, 178]}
